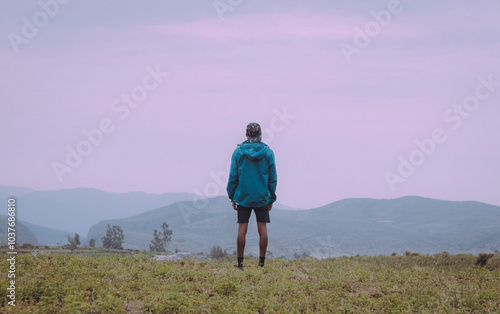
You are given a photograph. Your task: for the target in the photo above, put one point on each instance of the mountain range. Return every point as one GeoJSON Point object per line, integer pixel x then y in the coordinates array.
{"type": "Point", "coordinates": [51, 215]}
{"type": "Point", "coordinates": [343, 228]}
{"type": "Point", "coordinates": [76, 210]}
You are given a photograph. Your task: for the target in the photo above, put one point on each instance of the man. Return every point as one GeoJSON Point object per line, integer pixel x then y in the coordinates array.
{"type": "Point", "coordinates": [252, 185]}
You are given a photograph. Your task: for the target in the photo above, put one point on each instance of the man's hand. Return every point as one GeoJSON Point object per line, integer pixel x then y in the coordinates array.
{"type": "Point", "coordinates": [235, 206]}
{"type": "Point", "coordinates": [270, 206]}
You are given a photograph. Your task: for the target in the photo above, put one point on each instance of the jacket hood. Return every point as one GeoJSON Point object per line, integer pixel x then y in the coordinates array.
{"type": "Point", "coordinates": [253, 151]}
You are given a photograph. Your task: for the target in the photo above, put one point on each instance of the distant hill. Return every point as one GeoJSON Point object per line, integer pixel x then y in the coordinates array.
{"type": "Point", "coordinates": [48, 236]}
{"type": "Point", "coordinates": [78, 209]}
{"type": "Point", "coordinates": [8, 191]}
{"type": "Point", "coordinates": [23, 233]}
{"type": "Point", "coordinates": [35, 234]}
{"type": "Point", "coordinates": [347, 227]}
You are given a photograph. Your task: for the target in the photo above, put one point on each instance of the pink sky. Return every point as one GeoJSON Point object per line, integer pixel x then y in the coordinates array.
{"type": "Point", "coordinates": [351, 121]}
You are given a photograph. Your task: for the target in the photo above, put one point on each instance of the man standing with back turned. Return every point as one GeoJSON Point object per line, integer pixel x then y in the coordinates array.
{"type": "Point", "coordinates": [252, 185]}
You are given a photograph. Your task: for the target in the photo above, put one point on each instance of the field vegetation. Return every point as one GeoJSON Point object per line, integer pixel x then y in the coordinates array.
{"type": "Point", "coordinates": [102, 281]}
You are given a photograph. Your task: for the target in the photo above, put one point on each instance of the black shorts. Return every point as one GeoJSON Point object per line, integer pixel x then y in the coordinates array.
{"type": "Point", "coordinates": [261, 213]}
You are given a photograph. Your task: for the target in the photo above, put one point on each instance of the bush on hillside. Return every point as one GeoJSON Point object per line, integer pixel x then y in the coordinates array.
{"type": "Point", "coordinates": [489, 261]}
{"type": "Point", "coordinates": [483, 259]}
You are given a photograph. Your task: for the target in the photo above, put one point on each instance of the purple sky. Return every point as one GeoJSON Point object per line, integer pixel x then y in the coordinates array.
{"type": "Point", "coordinates": [354, 115]}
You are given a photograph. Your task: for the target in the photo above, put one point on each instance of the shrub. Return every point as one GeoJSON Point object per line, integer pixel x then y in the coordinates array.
{"type": "Point", "coordinates": [408, 253]}
{"type": "Point", "coordinates": [305, 255]}
{"type": "Point", "coordinates": [217, 252]}
{"type": "Point", "coordinates": [482, 259]}
{"type": "Point", "coordinates": [493, 263]}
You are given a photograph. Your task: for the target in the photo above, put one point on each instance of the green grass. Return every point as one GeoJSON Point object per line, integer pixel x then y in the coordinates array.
{"type": "Point", "coordinates": [72, 283]}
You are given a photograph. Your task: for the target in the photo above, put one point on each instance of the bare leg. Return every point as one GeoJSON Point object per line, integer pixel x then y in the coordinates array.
{"type": "Point", "coordinates": [240, 241]}
{"type": "Point", "coordinates": [262, 227]}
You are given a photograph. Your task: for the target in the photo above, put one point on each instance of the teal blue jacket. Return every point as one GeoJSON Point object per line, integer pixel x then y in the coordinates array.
{"type": "Point", "coordinates": [252, 179]}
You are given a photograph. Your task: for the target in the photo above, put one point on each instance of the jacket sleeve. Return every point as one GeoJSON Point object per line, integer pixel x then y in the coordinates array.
{"type": "Point", "coordinates": [233, 177]}
{"type": "Point", "coordinates": [273, 179]}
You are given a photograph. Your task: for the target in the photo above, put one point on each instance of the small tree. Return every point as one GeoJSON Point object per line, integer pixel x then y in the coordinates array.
{"type": "Point", "coordinates": [113, 238]}
{"type": "Point", "coordinates": [73, 241]}
{"type": "Point", "coordinates": [217, 252]}
{"type": "Point", "coordinates": [92, 242]}
{"type": "Point", "coordinates": [161, 239]}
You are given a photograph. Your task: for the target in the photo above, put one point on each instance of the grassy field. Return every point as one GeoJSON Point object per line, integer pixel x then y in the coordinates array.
{"type": "Point", "coordinates": [71, 283]}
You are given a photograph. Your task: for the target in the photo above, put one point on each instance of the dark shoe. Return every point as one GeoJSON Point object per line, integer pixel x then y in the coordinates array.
{"type": "Point", "coordinates": [262, 260]}
{"type": "Point", "coordinates": [239, 267]}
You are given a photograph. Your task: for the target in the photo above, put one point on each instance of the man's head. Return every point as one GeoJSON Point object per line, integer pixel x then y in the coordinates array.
{"type": "Point", "coordinates": [254, 133]}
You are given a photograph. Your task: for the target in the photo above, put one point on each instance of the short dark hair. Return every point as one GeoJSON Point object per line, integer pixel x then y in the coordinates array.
{"type": "Point", "coordinates": [253, 130]}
